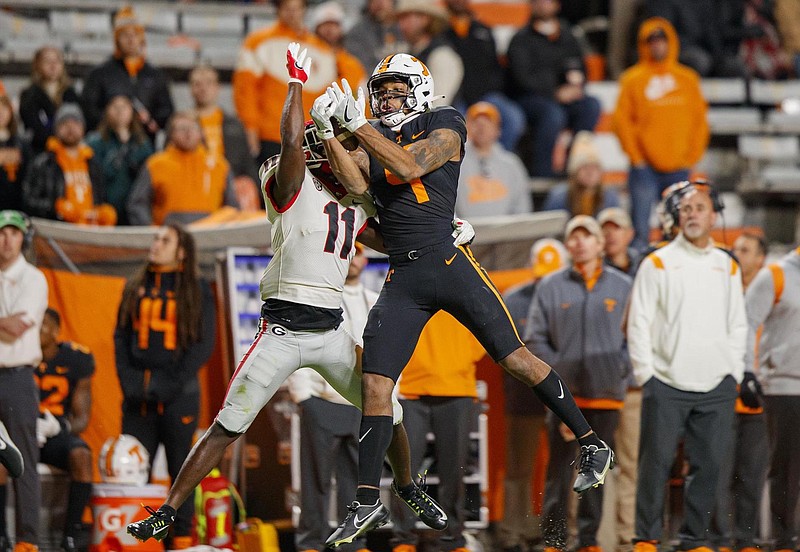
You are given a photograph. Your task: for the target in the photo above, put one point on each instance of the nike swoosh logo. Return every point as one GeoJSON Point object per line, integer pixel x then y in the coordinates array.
{"type": "Point", "coordinates": [186, 420]}
{"type": "Point", "coordinates": [417, 135]}
{"type": "Point", "coordinates": [2, 445]}
{"type": "Point", "coordinates": [60, 370]}
{"type": "Point", "coordinates": [161, 530]}
{"type": "Point", "coordinates": [561, 396]}
{"type": "Point", "coordinates": [450, 260]}
{"type": "Point", "coordinates": [359, 522]}
{"type": "Point", "coordinates": [347, 117]}
{"type": "Point", "coordinates": [362, 438]}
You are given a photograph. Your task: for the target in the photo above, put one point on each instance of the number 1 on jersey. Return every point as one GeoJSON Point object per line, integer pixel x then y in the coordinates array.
{"type": "Point", "coordinates": [349, 219]}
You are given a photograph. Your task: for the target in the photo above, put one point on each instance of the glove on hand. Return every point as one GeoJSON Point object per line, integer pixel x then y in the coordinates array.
{"type": "Point", "coordinates": [321, 113]}
{"type": "Point", "coordinates": [349, 110]}
{"type": "Point", "coordinates": [298, 63]}
{"type": "Point", "coordinates": [750, 391]}
{"type": "Point", "coordinates": [463, 232]}
{"type": "Point", "coordinates": [46, 426]}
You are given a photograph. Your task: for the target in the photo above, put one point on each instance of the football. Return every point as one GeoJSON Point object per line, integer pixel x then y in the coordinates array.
{"type": "Point", "coordinates": [344, 136]}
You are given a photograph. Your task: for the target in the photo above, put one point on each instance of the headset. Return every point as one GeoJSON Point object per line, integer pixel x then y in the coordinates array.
{"type": "Point", "coordinates": [11, 217]}
{"type": "Point", "coordinates": [673, 195]}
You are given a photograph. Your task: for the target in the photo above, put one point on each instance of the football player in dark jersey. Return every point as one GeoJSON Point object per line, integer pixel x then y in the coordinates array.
{"type": "Point", "coordinates": [409, 160]}
{"type": "Point", "coordinates": [64, 378]}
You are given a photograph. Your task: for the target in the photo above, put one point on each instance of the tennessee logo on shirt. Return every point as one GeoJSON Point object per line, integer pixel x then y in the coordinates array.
{"type": "Point", "coordinates": [483, 189]}
{"type": "Point", "coordinates": [610, 304]}
{"type": "Point", "coordinates": [659, 86]}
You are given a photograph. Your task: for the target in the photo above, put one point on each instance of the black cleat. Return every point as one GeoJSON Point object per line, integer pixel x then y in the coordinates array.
{"type": "Point", "coordinates": [593, 465]}
{"type": "Point", "coordinates": [360, 519]}
{"type": "Point", "coordinates": [423, 506]}
{"type": "Point", "coordinates": [10, 455]}
{"type": "Point", "coordinates": [156, 526]}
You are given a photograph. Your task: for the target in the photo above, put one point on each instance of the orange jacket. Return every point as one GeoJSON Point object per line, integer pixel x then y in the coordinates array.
{"type": "Point", "coordinates": [660, 117]}
{"type": "Point", "coordinates": [443, 364]}
{"type": "Point", "coordinates": [186, 182]}
{"type": "Point", "coordinates": [260, 80]}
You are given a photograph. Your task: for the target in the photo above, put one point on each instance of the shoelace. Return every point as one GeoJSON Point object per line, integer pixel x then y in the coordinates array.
{"type": "Point", "coordinates": [584, 459]}
{"type": "Point", "coordinates": [150, 510]}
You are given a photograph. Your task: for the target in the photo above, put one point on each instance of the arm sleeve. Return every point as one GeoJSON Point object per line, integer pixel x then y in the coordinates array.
{"type": "Point", "coordinates": [198, 353]}
{"type": "Point", "coordinates": [737, 322]}
{"type": "Point", "coordinates": [140, 202]}
{"type": "Point", "coordinates": [644, 302]}
{"type": "Point", "coordinates": [759, 301]}
{"type": "Point", "coordinates": [244, 84]}
{"type": "Point", "coordinates": [624, 124]}
{"type": "Point", "coordinates": [537, 335]}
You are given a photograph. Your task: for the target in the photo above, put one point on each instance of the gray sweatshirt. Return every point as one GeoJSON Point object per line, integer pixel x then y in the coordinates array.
{"type": "Point", "coordinates": [773, 299]}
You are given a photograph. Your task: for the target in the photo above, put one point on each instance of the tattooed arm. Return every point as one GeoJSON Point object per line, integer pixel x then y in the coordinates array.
{"type": "Point", "coordinates": [421, 158]}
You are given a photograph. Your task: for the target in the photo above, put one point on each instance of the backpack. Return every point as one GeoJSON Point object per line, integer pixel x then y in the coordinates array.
{"type": "Point", "coordinates": [218, 508]}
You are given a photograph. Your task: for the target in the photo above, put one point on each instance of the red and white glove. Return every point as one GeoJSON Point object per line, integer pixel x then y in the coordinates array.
{"type": "Point", "coordinates": [463, 232]}
{"type": "Point", "coordinates": [297, 63]}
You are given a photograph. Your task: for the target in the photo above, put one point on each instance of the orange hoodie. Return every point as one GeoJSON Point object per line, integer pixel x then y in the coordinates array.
{"type": "Point", "coordinates": [660, 117]}
{"type": "Point", "coordinates": [260, 80]}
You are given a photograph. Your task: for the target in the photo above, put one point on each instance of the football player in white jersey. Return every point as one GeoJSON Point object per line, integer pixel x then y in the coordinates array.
{"type": "Point", "coordinates": [314, 227]}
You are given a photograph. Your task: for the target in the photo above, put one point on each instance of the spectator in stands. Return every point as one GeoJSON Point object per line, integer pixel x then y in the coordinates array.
{"type": "Point", "coordinates": [327, 22]}
{"type": "Point", "coordinates": [438, 392]}
{"type": "Point", "coordinates": [65, 182]}
{"type": "Point", "coordinates": [760, 48]}
{"type": "Point", "coordinates": [224, 135]}
{"type": "Point", "coordinates": [660, 120]}
{"type": "Point", "coordinates": [484, 75]}
{"type": "Point", "coordinates": [741, 480]}
{"type": "Point", "coordinates": [15, 154]}
{"type": "Point", "coordinates": [519, 527]}
{"type": "Point", "coordinates": [375, 35]}
{"type": "Point", "coordinates": [492, 181]}
{"type": "Point", "coordinates": [583, 192]}
{"type": "Point", "coordinates": [701, 26]}
{"type": "Point", "coordinates": [165, 333]}
{"type": "Point", "coordinates": [259, 86]}
{"type": "Point", "coordinates": [23, 301]}
{"type": "Point", "coordinates": [686, 338]}
{"type": "Point", "coordinates": [618, 235]}
{"type": "Point", "coordinates": [64, 378]}
{"type": "Point", "coordinates": [329, 429]}
{"type": "Point", "coordinates": [49, 89]}
{"type": "Point", "coordinates": [421, 24]}
{"type": "Point", "coordinates": [575, 325]}
{"type": "Point", "coordinates": [121, 147]}
{"type": "Point", "coordinates": [128, 73]}
{"type": "Point", "coordinates": [773, 307]}
{"type": "Point", "coordinates": [184, 182]}
{"type": "Point", "coordinates": [548, 78]}
{"type": "Point", "coordinates": [787, 16]}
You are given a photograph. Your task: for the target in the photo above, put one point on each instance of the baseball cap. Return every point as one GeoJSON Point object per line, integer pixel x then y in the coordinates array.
{"type": "Point", "coordinates": [547, 255]}
{"type": "Point", "coordinates": [434, 8]}
{"type": "Point", "coordinates": [327, 12]}
{"type": "Point", "coordinates": [583, 221]}
{"type": "Point", "coordinates": [68, 111]}
{"type": "Point", "coordinates": [486, 109]}
{"type": "Point", "coordinates": [10, 217]}
{"type": "Point", "coordinates": [618, 216]}
{"type": "Point", "coordinates": [583, 152]}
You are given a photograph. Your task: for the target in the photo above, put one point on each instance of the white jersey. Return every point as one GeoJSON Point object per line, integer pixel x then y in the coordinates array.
{"type": "Point", "coordinates": [313, 241]}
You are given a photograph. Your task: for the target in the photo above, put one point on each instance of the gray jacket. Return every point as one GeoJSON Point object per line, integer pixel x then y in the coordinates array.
{"type": "Point", "coordinates": [773, 299]}
{"type": "Point", "coordinates": [578, 331]}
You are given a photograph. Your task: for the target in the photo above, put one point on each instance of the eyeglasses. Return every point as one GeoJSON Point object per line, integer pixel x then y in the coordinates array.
{"type": "Point", "coordinates": [388, 95]}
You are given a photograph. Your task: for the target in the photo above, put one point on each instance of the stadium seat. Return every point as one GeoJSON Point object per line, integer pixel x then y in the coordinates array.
{"type": "Point", "coordinates": [781, 122]}
{"type": "Point", "coordinates": [198, 24]}
{"type": "Point", "coordinates": [773, 92]}
{"type": "Point", "coordinates": [80, 23]}
{"type": "Point", "coordinates": [724, 91]}
{"type": "Point", "coordinates": [734, 120]}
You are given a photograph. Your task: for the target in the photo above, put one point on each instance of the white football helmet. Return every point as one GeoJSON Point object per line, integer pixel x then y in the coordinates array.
{"type": "Point", "coordinates": [415, 74]}
{"type": "Point", "coordinates": [124, 460]}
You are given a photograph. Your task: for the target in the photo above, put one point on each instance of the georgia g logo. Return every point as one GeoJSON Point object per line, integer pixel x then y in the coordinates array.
{"type": "Point", "coordinates": [278, 330]}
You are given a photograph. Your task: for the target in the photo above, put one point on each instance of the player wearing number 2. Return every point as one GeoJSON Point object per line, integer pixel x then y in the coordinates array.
{"type": "Point", "coordinates": [313, 230]}
{"type": "Point", "coordinates": [165, 333]}
{"type": "Point", "coordinates": [410, 160]}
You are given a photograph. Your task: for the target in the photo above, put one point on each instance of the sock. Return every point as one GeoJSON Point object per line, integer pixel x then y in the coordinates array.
{"type": "Point", "coordinates": [3, 498]}
{"type": "Point", "coordinates": [407, 489]}
{"type": "Point", "coordinates": [367, 495]}
{"type": "Point", "coordinates": [376, 435]}
{"type": "Point", "coordinates": [169, 510]}
{"type": "Point", "coordinates": [591, 439]}
{"type": "Point", "coordinates": [77, 500]}
{"type": "Point", "coordinates": [555, 395]}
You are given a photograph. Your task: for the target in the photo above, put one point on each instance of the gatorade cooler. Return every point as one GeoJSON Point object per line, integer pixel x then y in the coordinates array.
{"type": "Point", "coordinates": [114, 506]}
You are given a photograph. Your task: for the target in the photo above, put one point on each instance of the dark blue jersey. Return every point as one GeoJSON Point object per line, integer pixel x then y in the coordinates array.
{"type": "Point", "coordinates": [420, 213]}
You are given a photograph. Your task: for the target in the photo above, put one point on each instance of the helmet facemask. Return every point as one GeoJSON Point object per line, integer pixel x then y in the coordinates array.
{"type": "Point", "coordinates": [313, 146]}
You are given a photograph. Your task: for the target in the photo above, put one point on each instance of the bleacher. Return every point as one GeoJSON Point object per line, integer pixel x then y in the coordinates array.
{"type": "Point", "coordinates": [754, 125]}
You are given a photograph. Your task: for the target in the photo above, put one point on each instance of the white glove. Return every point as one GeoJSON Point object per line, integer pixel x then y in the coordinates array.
{"type": "Point", "coordinates": [321, 113]}
{"type": "Point", "coordinates": [463, 232]}
{"type": "Point", "coordinates": [349, 110]}
{"type": "Point", "coordinates": [46, 427]}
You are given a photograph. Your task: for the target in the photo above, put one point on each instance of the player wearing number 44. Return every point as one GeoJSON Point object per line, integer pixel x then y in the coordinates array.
{"type": "Point", "coordinates": [314, 228]}
{"type": "Point", "coordinates": [410, 159]}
